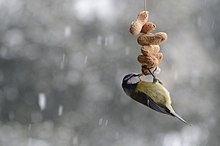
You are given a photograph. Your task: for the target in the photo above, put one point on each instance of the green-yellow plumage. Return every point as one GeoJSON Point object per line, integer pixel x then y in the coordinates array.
{"type": "Point", "coordinates": [156, 92]}
{"type": "Point", "coordinates": [152, 94]}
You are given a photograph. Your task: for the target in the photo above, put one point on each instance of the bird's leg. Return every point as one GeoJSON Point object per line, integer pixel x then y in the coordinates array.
{"type": "Point", "coordinates": [151, 73]}
{"type": "Point", "coordinates": [154, 70]}
{"type": "Point", "coordinates": [154, 78]}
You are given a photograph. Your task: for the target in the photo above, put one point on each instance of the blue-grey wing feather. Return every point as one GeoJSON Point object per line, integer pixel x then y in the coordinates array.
{"type": "Point", "coordinates": [146, 100]}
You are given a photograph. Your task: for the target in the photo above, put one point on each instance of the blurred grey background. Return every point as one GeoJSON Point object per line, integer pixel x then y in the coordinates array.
{"type": "Point", "coordinates": [62, 62]}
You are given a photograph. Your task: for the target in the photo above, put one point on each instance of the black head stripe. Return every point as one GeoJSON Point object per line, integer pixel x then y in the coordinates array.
{"type": "Point", "coordinates": [129, 76]}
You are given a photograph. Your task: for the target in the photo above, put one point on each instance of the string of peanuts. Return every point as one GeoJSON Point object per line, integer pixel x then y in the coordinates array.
{"type": "Point", "coordinates": [150, 42]}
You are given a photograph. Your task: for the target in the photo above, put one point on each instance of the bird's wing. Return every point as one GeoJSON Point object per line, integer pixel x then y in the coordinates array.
{"type": "Point", "coordinates": [146, 100]}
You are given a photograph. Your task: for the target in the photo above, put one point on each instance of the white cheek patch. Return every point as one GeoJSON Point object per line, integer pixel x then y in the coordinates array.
{"type": "Point", "coordinates": [134, 80]}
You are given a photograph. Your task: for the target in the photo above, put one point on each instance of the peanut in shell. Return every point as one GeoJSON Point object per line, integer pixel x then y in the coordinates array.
{"type": "Point", "coordinates": [148, 61]}
{"type": "Point", "coordinates": [150, 49]}
{"type": "Point", "coordinates": [152, 39]}
{"type": "Point", "coordinates": [159, 57]}
{"type": "Point", "coordinates": [137, 25]}
{"type": "Point", "coordinates": [148, 27]}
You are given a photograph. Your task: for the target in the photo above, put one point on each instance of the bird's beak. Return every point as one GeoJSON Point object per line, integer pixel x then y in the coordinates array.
{"type": "Point", "coordinates": [141, 74]}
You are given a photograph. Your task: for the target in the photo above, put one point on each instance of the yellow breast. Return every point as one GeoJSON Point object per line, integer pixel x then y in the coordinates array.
{"type": "Point", "coordinates": [155, 91]}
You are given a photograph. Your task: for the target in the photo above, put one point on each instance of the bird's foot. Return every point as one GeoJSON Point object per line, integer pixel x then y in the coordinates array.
{"type": "Point", "coordinates": [157, 80]}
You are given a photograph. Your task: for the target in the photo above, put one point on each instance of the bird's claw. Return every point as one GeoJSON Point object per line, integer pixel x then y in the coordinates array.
{"type": "Point", "coordinates": [157, 80]}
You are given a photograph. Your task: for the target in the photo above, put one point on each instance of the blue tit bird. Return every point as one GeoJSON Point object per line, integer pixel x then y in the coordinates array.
{"type": "Point", "coordinates": [152, 94]}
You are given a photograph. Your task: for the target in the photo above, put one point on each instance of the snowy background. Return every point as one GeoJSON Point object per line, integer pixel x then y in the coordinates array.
{"type": "Point", "coordinates": [62, 62]}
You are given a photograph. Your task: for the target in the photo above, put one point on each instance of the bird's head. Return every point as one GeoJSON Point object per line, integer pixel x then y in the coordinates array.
{"type": "Point", "coordinates": [129, 82]}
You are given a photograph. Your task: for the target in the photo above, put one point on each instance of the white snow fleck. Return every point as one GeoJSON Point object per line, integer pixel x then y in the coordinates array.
{"type": "Point", "coordinates": [100, 121]}
{"type": "Point", "coordinates": [29, 127]}
{"type": "Point", "coordinates": [60, 110]}
{"type": "Point", "coordinates": [176, 75]}
{"type": "Point", "coordinates": [42, 101]}
{"type": "Point", "coordinates": [106, 123]}
{"type": "Point", "coordinates": [85, 60]}
{"type": "Point", "coordinates": [67, 31]}
{"type": "Point", "coordinates": [75, 141]}
{"type": "Point", "coordinates": [99, 40]}
{"type": "Point", "coordinates": [62, 63]}
{"type": "Point", "coordinates": [127, 51]}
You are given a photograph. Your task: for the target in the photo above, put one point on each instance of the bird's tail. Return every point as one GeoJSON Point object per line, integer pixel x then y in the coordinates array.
{"type": "Point", "coordinates": [179, 118]}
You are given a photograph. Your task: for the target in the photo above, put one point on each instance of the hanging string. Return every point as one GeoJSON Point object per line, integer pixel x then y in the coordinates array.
{"type": "Point", "coordinates": [145, 5]}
